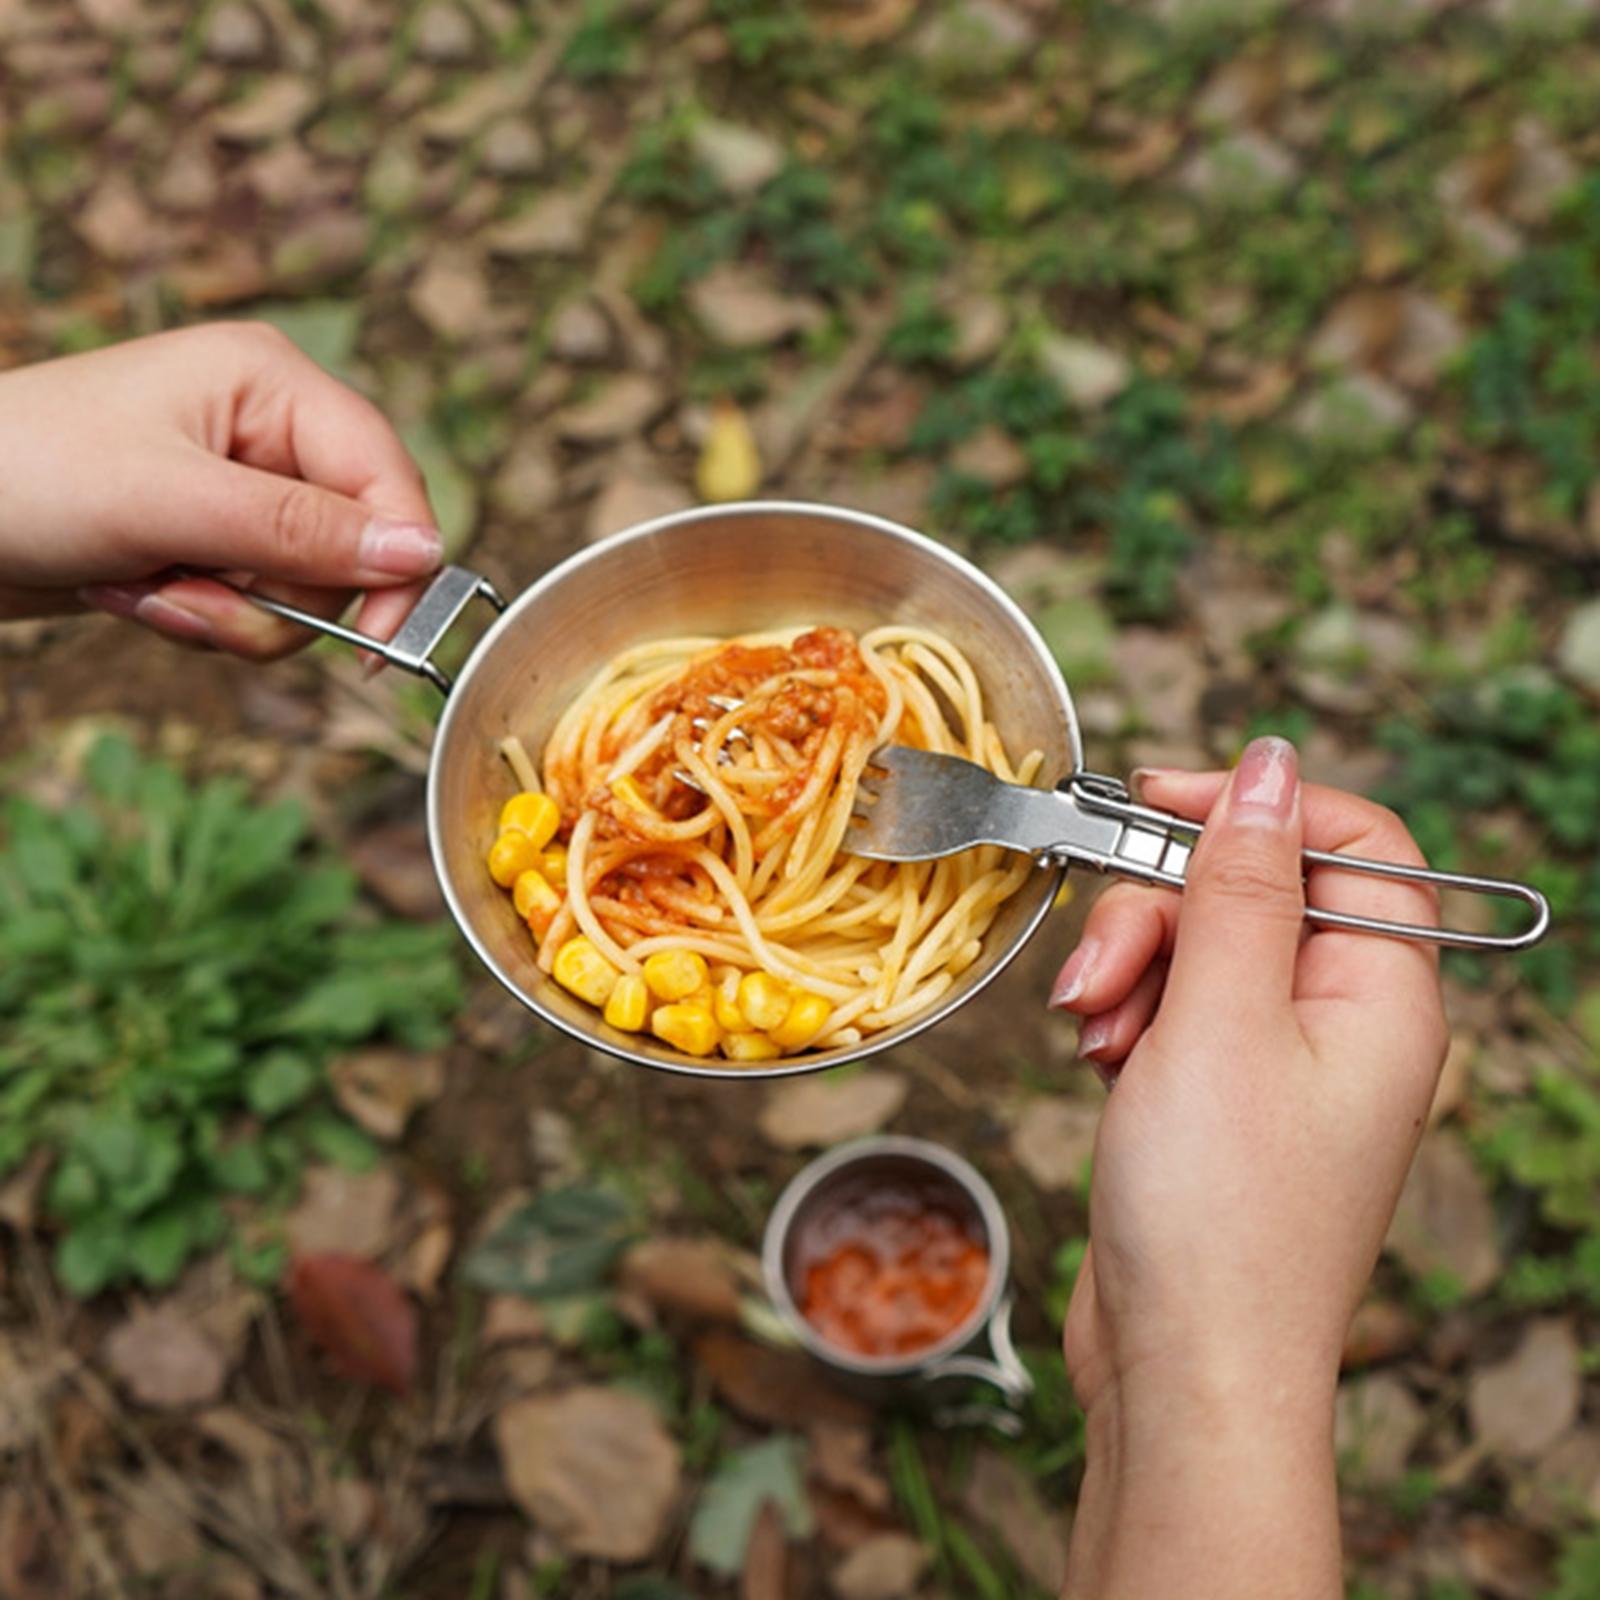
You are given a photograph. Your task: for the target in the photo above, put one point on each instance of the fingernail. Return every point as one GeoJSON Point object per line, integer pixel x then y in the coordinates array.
{"type": "Point", "coordinates": [372, 666]}
{"type": "Point", "coordinates": [1074, 973]}
{"type": "Point", "coordinates": [176, 621]}
{"type": "Point", "coordinates": [115, 599]}
{"type": "Point", "coordinates": [1142, 775]}
{"type": "Point", "coordinates": [399, 549]}
{"type": "Point", "coordinates": [1094, 1035]}
{"type": "Point", "coordinates": [1107, 1075]}
{"type": "Point", "coordinates": [1266, 782]}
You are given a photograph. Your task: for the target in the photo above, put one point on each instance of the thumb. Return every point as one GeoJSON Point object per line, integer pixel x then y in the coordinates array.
{"type": "Point", "coordinates": [219, 513]}
{"type": "Point", "coordinates": [1244, 899]}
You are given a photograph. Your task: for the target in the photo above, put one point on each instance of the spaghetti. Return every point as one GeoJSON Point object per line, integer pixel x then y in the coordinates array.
{"type": "Point", "coordinates": [679, 858]}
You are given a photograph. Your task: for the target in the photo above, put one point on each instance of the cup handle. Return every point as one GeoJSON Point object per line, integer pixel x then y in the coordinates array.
{"type": "Point", "coordinates": [417, 637]}
{"type": "Point", "coordinates": [1002, 1368]}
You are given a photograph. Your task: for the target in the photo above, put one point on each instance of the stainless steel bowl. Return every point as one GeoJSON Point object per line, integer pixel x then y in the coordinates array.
{"type": "Point", "coordinates": [720, 570]}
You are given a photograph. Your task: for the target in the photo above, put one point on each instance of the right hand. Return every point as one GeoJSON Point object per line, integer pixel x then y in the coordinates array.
{"type": "Point", "coordinates": [1271, 1087]}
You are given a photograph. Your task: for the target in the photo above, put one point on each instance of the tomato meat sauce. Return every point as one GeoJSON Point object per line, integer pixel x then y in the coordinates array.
{"type": "Point", "coordinates": [889, 1267]}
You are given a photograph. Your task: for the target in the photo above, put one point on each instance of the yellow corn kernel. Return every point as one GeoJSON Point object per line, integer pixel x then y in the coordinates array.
{"type": "Point", "coordinates": [725, 1003]}
{"type": "Point", "coordinates": [675, 974]}
{"type": "Point", "coordinates": [749, 1047]}
{"type": "Point", "coordinates": [510, 856]}
{"type": "Point", "coordinates": [532, 892]}
{"type": "Point", "coordinates": [582, 970]}
{"type": "Point", "coordinates": [807, 1017]}
{"type": "Point", "coordinates": [630, 794]}
{"type": "Point", "coordinates": [629, 1003]}
{"type": "Point", "coordinates": [764, 1000]}
{"type": "Point", "coordinates": [691, 1029]}
{"type": "Point", "coordinates": [536, 815]}
{"type": "Point", "coordinates": [553, 864]}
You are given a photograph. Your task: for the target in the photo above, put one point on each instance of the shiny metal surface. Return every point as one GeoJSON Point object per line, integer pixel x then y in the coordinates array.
{"type": "Point", "coordinates": [916, 805]}
{"type": "Point", "coordinates": [720, 570]}
{"type": "Point", "coordinates": [894, 1159]}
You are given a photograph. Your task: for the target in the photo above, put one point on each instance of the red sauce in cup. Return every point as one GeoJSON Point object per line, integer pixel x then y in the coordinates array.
{"type": "Point", "coordinates": [889, 1268]}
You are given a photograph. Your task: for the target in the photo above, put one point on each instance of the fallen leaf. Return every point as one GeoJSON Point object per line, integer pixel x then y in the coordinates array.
{"type": "Point", "coordinates": [730, 1504]}
{"type": "Point", "coordinates": [558, 1243]}
{"type": "Point", "coordinates": [1377, 1423]}
{"type": "Point", "coordinates": [29, 1377]}
{"type": "Point", "coordinates": [1087, 374]}
{"type": "Point", "coordinates": [992, 455]}
{"type": "Point", "coordinates": [739, 308]}
{"type": "Point", "coordinates": [381, 1088]}
{"type": "Point", "coordinates": [690, 1277]}
{"type": "Point", "coordinates": [425, 1258]}
{"type": "Point", "coordinates": [1503, 1560]}
{"type": "Point", "coordinates": [622, 406]}
{"type": "Point", "coordinates": [766, 1559]}
{"type": "Point", "coordinates": [887, 1566]}
{"type": "Point", "coordinates": [742, 159]}
{"type": "Point", "coordinates": [1522, 1405]}
{"type": "Point", "coordinates": [1564, 1487]}
{"type": "Point", "coordinates": [824, 1109]}
{"type": "Point", "coordinates": [1001, 1496]}
{"type": "Point", "coordinates": [115, 222]}
{"type": "Point", "coordinates": [451, 294]}
{"type": "Point", "coordinates": [558, 225]}
{"type": "Point", "coordinates": [841, 1458]}
{"type": "Point", "coordinates": [1455, 1076]}
{"type": "Point", "coordinates": [627, 501]}
{"type": "Point", "coordinates": [392, 860]}
{"type": "Point", "coordinates": [1445, 1220]}
{"type": "Point", "coordinates": [1053, 1138]}
{"type": "Point", "coordinates": [351, 1213]}
{"type": "Point", "coordinates": [158, 1539]}
{"type": "Point", "coordinates": [782, 1387]}
{"type": "Point", "coordinates": [163, 1360]}
{"type": "Point", "coordinates": [276, 106]}
{"type": "Point", "coordinates": [30, 1548]}
{"type": "Point", "coordinates": [511, 1319]}
{"type": "Point", "coordinates": [729, 467]}
{"type": "Point", "coordinates": [1379, 1331]}
{"type": "Point", "coordinates": [594, 1467]}
{"type": "Point", "coordinates": [359, 1316]}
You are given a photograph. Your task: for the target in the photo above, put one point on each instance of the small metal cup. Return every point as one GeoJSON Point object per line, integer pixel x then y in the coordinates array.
{"type": "Point", "coordinates": [979, 1348]}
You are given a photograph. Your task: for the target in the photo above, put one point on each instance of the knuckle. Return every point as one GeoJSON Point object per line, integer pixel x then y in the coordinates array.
{"type": "Point", "coordinates": [1245, 877]}
{"type": "Point", "coordinates": [298, 525]}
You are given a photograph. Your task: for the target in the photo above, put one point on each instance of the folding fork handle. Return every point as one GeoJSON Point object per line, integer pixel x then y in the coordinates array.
{"type": "Point", "coordinates": [1154, 846]}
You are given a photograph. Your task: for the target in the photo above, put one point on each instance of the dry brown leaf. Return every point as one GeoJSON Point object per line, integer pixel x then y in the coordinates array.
{"type": "Point", "coordinates": [594, 1467]}
{"type": "Point", "coordinates": [1052, 1138]}
{"type": "Point", "coordinates": [1001, 1496]}
{"type": "Point", "coordinates": [510, 1319]}
{"type": "Point", "coordinates": [1522, 1405]}
{"type": "Point", "coordinates": [451, 294]}
{"type": "Point", "coordinates": [738, 307]}
{"type": "Point", "coordinates": [163, 1360]}
{"type": "Point", "coordinates": [381, 1088]}
{"type": "Point", "coordinates": [1445, 1220]}
{"type": "Point", "coordinates": [841, 1457]}
{"type": "Point", "coordinates": [1564, 1488]}
{"type": "Point", "coordinates": [1377, 1423]}
{"type": "Point", "coordinates": [691, 1277]}
{"type": "Point", "coordinates": [277, 105]}
{"type": "Point", "coordinates": [622, 406]}
{"type": "Point", "coordinates": [1379, 1331]}
{"type": "Point", "coordinates": [1503, 1560]}
{"type": "Point", "coordinates": [629, 500]}
{"type": "Point", "coordinates": [29, 1377]}
{"type": "Point", "coordinates": [344, 1213]}
{"type": "Point", "coordinates": [823, 1110]}
{"type": "Point", "coordinates": [885, 1567]}
{"type": "Point", "coordinates": [766, 1558]}
{"type": "Point", "coordinates": [781, 1387]}
{"type": "Point", "coordinates": [392, 861]}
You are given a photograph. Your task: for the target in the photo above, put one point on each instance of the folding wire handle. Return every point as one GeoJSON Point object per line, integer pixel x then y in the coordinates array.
{"type": "Point", "coordinates": [417, 637]}
{"type": "Point", "coordinates": [1155, 846]}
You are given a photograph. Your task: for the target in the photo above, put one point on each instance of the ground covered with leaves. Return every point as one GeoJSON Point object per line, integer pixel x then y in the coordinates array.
{"type": "Point", "coordinates": [1256, 350]}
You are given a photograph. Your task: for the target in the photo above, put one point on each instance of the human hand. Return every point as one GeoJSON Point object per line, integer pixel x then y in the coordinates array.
{"type": "Point", "coordinates": [220, 447]}
{"type": "Point", "coordinates": [1271, 1086]}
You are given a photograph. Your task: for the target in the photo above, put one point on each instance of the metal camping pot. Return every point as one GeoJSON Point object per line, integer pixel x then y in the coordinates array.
{"type": "Point", "coordinates": [720, 570]}
{"type": "Point", "coordinates": [979, 1348]}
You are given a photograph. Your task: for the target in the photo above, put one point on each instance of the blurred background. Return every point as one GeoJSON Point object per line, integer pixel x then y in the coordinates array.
{"type": "Point", "coordinates": [1254, 348]}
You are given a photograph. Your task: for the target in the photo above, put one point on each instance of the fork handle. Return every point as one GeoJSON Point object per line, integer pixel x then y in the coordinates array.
{"type": "Point", "coordinates": [1154, 847]}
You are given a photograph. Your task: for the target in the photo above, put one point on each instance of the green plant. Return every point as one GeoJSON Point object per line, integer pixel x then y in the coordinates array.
{"type": "Point", "coordinates": [601, 45]}
{"type": "Point", "coordinates": [1578, 1571]}
{"type": "Point", "coordinates": [177, 965]}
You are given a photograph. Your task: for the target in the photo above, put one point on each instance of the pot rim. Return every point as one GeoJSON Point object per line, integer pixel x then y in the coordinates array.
{"type": "Point", "coordinates": [785, 1067]}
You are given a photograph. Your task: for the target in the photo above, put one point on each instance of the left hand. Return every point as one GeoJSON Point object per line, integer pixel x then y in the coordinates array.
{"type": "Point", "coordinates": [219, 447]}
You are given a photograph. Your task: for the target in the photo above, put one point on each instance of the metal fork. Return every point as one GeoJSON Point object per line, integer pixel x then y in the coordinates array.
{"type": "Point", "coordinates": [914, 805]}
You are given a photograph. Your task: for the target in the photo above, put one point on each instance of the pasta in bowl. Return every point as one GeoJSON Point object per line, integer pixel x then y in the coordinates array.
{"type": "Point", "coordinates": [679, 852]}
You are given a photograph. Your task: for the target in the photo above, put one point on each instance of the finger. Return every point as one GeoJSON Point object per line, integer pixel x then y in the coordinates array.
{"type": "Point", "coordinates": [1128, 926]}
{"type": "Point", "coordinates": [1243, 900]}
{"type": "Point", "coordinates": [200, 611]}
{"type": "Point", "coordinates": [293, 418]}
{"type": "Point", "coordinates": [1108, 1038]}
{"type": "Point", "coordinates": [1339, 966]}
{"type": "Point", "coordinates": [210, 512]}
{"type": "Point", "coordinates": [380, 615]}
